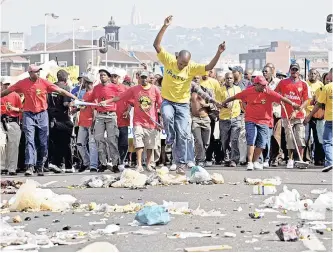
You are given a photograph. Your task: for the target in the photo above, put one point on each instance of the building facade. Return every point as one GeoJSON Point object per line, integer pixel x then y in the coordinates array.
{"type": "Point", "coordinates": [112, 34]}
{"type": "Point", "coordinates": [13, 41]}
{"type": "Point", "coordinates": [14, 65]}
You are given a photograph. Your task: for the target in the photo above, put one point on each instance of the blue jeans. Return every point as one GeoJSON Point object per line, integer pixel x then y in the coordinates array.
{"type": "Point", "coordinates": [264, 157]}
{"type": "Point", "coordinates": [256, 134]}
{"type": "Point", "coordinates": [36, 123]}
{"type": "Point", "coordinates": [328, 143]}
{"type": "Point", "coordinates": [84, 138]}
{"type": "Point", "coordinates": [176, 120]}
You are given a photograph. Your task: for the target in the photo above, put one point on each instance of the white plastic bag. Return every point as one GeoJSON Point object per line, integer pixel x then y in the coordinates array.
{"type": "Point", "coordinates": [199, 175]}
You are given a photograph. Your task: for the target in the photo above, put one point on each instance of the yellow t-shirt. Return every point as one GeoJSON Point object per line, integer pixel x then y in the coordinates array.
{"type": "Point", "coordinates": [212, 85]}
{"type": "Point", "coordinates": [326, 97]}
{"type": "Point", "coordinates": [313, 88]}
{"type": "Point", "coordinates": [176, 84]}
{"type": "Point", "coordinates": [223, 94]}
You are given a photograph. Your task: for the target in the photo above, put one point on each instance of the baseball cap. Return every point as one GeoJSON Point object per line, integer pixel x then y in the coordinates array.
{"type": "Point", "coordinates": [6, 80]}
{"type": "Point", "coordinates": [105, 70]}
{"type": "Point", "coordinates": [88, 79]}
{"type": "Point", "coordinates": [260, 80]}
{"type": "Point", "coordinates": [144, 73]}
{"type": "Point", "coordinates": [257, 73]}
{"type": "Point", "coordinates": [237, 68]}
{"type": "Point", "coordinates": [127, 78]}
{"type": "Point", "coordinates": [279, 73]}
{"type": "Point", "coordinates": [34, 68]}
{"type": "Point", "coordinates": [295, 65]}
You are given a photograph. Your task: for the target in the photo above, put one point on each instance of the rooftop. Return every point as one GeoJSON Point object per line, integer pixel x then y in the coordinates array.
{"type": "Point", "coordinates": [14, 59]}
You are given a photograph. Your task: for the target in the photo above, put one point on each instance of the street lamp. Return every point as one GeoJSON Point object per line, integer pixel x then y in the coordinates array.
{"type": "Point", "coordinates": [54, 16]}
{"type": "Point", "coordinates": [92, 44]}
{"type": "Point", "coordinates": [74, 19]}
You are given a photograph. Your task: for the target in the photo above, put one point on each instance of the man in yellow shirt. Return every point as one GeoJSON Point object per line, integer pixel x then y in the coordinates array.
{"type": "Point", "coordinates": [230, 120]}
{"type": "Point", "coordinates": [326, 98]}
{"type": "Point", "coordinates": [314, 84]}
{"type": "Point", "coordinates": [177, 77]}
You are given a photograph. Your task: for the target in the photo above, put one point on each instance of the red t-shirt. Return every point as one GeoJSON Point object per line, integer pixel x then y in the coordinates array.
{"type": "Point", "coordinates": [259, 108]}
{"type": "Point", "coordinates": [296, 92]}
{"type": "Point", "coordinates": [86, 113]}
{"type": "Point", "coordinates": [35, 93]}
{"type": "Point", "coordinates": [145, 102]}
{"type": "Point", "coordinates": [14, 100]}
{"type": "Point", "coordinates": [101, 93]}
{"type": "Point", "coordinates": [122, 106]}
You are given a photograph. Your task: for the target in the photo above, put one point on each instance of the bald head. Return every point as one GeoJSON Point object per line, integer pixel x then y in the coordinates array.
{"type": "Point", "coordinates": [183, 59]}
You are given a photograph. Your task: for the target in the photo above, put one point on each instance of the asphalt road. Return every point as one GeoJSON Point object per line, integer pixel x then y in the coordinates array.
{"type": "Point", "coordinates": [206, 196]}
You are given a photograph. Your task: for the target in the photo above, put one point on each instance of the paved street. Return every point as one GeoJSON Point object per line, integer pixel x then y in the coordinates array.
{"type": "Point", "coordinates": [207, 196]}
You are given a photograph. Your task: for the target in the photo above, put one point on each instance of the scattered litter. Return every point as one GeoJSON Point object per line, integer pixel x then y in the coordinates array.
{"type": "Point", "coordinates": [266, 210]}
{"type": "Point", "coordinates": [235, 200]}
{"type": "Point", "coordinates": [203, 213]}
{"type": "Point", "coordinates": [31, 198]}
{"type": "Point", "coordinates": [319, 191]}
{"type": "Point", "coordinates": [165, 178]}
{"type": "Point", "coordinates": [17, 219]}
{"type": "Point", "coordinates": [208, 248]}
{"type": "Point", "coordinates": [256, 215]}
{"type": "Point", "coordinates": [264, 189]}
{"type": "Point", "coordinates": [10, 186]}
{"type": "Point", "coordinates": [221, 229]}
{"type": "Point", "coordinates": [252, 241]}
{"type": "Point", "coordinates": [239, 209]}
{"type": "Point", "coordinates": [49, 183]}
{"type": "Point", "coordinates": [267, 182]}
{"type": "Point", "coordinates": [99, 247]}
{"type": "Point", "coordinates": [263, 232]}
{"type": "Point", "coordinates": [130, 179]}
{"type": "Point", "coordinates": [311, 241]}
{"type": "Point", "coordinates": [283, 217]}
{"type": "Point", "coordinates": [180, 206]}
{"type": "Point", "coordinates": [226, 195]}
{"type": "Point", "coordinates": [42, 230]}
{"type": "Point", "coordinates": [217, 178]}
{"type": "Point", "coordinates": [134, 223]}
{"type": "Point", "coordinates": [92, 206]}
{"type": "Point", "coordinates": [66, 228]}
{"type": "Point", "coordinates": [233, 183]}
{"type": "Point", "coordinates": [110, 229]}
{"type": "Point", "coordinates": [97, 223]}
{"type": "Point", "coordinates": [144, 232]}
{"type": "Point", "coordinates": [183, 235]}
{"type": "Point", "coordinates": [288, 233]}
{"type": "Point", "coordinates": [56, 221]}
{"type": "Point", "coordinates": [228, 234]}
{"type": "Point", "coordinates": [153, 215]}
{"type": "Point", "coordinates": [199, 175]}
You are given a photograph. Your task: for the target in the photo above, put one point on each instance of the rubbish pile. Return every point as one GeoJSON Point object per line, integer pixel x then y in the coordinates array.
{"type": "Point", "coordinates": [135, 180]}
{"type": "Point", "coordinates": [263, 187]}
{"type": "Point", "coordinates": [31, 198]}
{"type": "Point", "coordinates": [10, 186]}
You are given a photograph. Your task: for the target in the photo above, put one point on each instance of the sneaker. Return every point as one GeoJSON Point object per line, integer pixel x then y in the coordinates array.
{"type": "Point", "coordinates": [168, 148]}
{"type": "Point", "coordinates": [115, 169]}
{"type": "Point", "coordinates": [109, 166]}
{"type": "Point", "coordinates": [69, 170]}
{"type": "Point", "coordinates": [83, 168]}
{"type": "Point", "coordinates": [102, 168]}
{"type": "Point", "coordinates": [54, 168]}
{"type": "Point", "coordinates": [121, 167]}
{"type": "Point", "coordinates": [258, 166]}
{"type": "Point", "coordinates": [29, 171]}
{"type": "Point", "coordinates": [201, 164]}
{"type": "Point", "coordinates": [275, 163]}
{"type": "Point", "coordinates": [173, 167]}
{"type": "Point", "coordinates": [266, 164]}
{"type": "Point", "coordinates": [12, 173]}
{"type": "Point", "coordinates": [93, 170]}
{"type": "Point", "coordinates": [181, 169]}
{"type": "Point", "coordinates": [4, 172]}
{"type": "Point", "coordinates": [190, 164]}
{"type": "Point", "coordinates": [139, 169]}
{"type": "Point", "coordinates": [250, 166]}
{"type": "Point", "coordinates": [232, 164]}
{"type": "Point", "coordinates": [327, 169]}
{"type": "Point", "coordinates": [209, 163]}
{"type": "Point", "coordinates": [150, 168]}
{"type": "Point", "coordinates": [290, 164]}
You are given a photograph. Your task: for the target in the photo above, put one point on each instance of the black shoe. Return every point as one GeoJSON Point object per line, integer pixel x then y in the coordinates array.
{"type": "Point", "coordinates": [12, 174]}
{"type": "Point", "coordinates": [40, 171]}
{"type": "Point", "coordinates": [243, 163]}
{"type": "Point", "coordinates": [102, 168]}
{"type": "Point", "coordinates": [327, 169]}
{"type": "Point", "coordinates": [29, 171]}
{"type": "Point", "coordinates": [115, 169]}
{"type": "Point", "coordinates": [4, 172]}
{"type": "Point", "coordinates": [93, 170]}
{"type": "Point", "coordinates": [46, 169]}
{"type": "Point", "coordinates": [274, 164]}
{"type": "Point", "coordinates": [83, 168]}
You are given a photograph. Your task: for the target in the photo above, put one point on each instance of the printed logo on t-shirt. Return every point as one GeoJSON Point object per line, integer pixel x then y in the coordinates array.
{"type": "Point", "coordinates": [263, 101]}
{"type": "Point", "coordinates": [145, 103]}
{"type": "Point", "coordinates": [171, 74]}
{"type": "Point", "coordinates": [300, 89]}
{"type": "Point", "coordinates": [292, 96]}
{"type": "Point", "coordinates": [38, 92]}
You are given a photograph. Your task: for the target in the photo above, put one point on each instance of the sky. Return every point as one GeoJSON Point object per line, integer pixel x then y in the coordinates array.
{"type": "Point", "coordinates": [307, 15]}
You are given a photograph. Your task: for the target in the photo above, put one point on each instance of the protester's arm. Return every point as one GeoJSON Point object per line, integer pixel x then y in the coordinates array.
{"type": "Point", "coordinates": [158, 39]}
{"type": "Point", "coordinates": [205, 96]}
{"type": "Point", "coordinates": [16, 87]}
{"type": "Point", "coordinates": [66, 93]}
{"type": "Point", "coordinates": [314, 110]}
{"type": "Point", "coordinates": [216, 58]}
{"type": "Point", "coordinates": [126, 95]}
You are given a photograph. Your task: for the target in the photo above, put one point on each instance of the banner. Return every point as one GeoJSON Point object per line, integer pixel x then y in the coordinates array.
{"type": "Point", "coordinates": [73, 72]}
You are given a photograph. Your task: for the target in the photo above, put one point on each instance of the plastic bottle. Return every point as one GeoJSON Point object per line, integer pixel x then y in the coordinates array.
{"type": "Point", "coordinates": [264, 189]}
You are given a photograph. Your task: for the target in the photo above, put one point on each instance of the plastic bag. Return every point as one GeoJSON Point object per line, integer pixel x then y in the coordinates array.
{"type": "Point", "coordinates": [130, 179]}
{"type": "Point", "coordinates": [199, 175]}
{"type": "Point", "coordinates": [153, 215]}
{"type": "Point", "coordinates": [217, 178]}
{"type": "Point", "coordinates": [31, 198]}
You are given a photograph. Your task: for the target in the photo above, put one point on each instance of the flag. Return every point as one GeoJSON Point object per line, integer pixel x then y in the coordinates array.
{"type": "Point", "coordinates": [307, 64]}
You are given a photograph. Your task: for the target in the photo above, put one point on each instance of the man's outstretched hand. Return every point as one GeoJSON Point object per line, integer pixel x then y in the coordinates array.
{"type": "Point", "coordinates": [168, 20]}
{"type": "Point", "coordinates": [222, 47]}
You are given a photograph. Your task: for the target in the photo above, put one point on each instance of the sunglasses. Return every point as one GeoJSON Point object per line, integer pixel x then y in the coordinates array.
{"type": "Point", "coordinates": [294, 69]}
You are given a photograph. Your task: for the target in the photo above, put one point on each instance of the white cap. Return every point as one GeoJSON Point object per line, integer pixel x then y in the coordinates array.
{"type": "Point", "coordinates": [6, 79]}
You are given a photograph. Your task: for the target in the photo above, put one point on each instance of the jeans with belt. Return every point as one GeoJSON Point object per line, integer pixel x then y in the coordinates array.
{"type": "Point", "coordinates": [176, 119]}
{"type": "Point", "coordinates": [84, 139]}
{"type": "Point", "coordinates": [36, 124]}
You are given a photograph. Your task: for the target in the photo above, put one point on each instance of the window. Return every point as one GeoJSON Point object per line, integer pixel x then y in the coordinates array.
{"type": "Point", "coordinates": [257, 64]}
{"type": "Point", "coordinates": [263, 63]}
{"type": "Point", "coordinates": [62, 64]}
{"type": "Point", "coordinates": [4, 70]}
{"type": "Point", "coordinates": [249, 64]}
{"type": "Point", "coordinates": [4, 43]}
{"type": "Point", "coordinates": [16, 66]}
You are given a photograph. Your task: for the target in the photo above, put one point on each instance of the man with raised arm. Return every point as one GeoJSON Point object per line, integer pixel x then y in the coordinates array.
{"type": "Point", "coordinates": [176, 85]}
